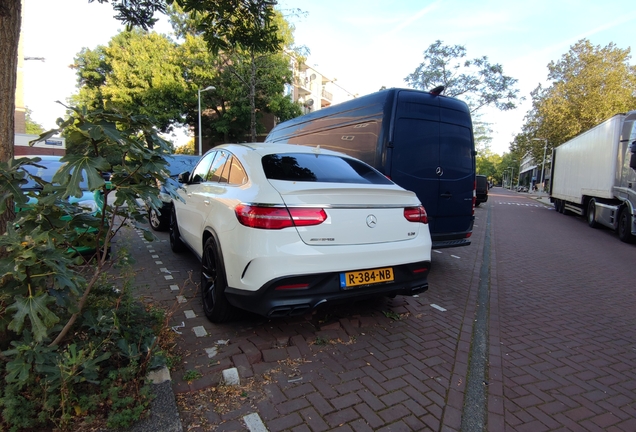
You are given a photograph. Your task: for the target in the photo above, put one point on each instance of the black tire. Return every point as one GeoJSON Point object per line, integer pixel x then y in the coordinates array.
{"type": "Point", "coordinates": [213, 284]}
{"type": "Point", "coordinates": [157, 222]}
{"type": "Point", "coordinates": [624, 226]}
{"type": "Point", "coordinates": [556, 205]}
{"type": "Point", "coordinates": [176, 244]}
{"type": "Point", "coordinates": [591, 214]}
{"type": "Point", "coordinates": [477, 203]}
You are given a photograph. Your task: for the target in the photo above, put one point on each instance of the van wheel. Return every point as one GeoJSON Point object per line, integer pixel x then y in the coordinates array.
{"type": "Point", "coordinates": [591, 214]}
{"type": "Point", "coordinates": [625, 226]}
{"type": "Point", "coordinates": [213, 284]}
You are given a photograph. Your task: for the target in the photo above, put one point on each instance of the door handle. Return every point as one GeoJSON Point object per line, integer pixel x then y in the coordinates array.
{"type": "Point", "coordinates": [206, 202]}
{"type": "Point", "coordinates": [446, 195]}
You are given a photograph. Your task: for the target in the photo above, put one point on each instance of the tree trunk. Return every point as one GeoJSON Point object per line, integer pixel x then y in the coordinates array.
{"type": "Point", "coordinates": [10, 21]}
{"type": "Point", "coordinates": [253, 97]}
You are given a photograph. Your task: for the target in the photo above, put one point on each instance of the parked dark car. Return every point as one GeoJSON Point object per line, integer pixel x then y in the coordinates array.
{"type": "Point", "coordinates": [481, 189]}
{"type": "Point", "coordinates": [176, 165]}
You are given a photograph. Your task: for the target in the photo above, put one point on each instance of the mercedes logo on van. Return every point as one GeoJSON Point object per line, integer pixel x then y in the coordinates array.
{"type": "Point", "coordinates": [439, 171]}
{"type": "Point", "coordinates": [371, 221]}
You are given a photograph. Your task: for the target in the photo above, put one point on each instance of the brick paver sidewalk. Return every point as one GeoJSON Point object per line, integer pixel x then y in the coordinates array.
{"type": "Point", "coordinates": [386, 364]}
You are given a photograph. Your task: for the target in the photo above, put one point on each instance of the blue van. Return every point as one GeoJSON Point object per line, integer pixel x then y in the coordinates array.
{"type": "Point", "coordinates": [423, 141]}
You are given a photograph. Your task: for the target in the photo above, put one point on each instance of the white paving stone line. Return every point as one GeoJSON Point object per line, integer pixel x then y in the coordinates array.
{"type": "Point", "coordinates": [174, 287]}
{"type": "Point", "coordinates": [254, 423]}
{"type": "Point", "coordinates": [231, 377]}
{"type": "Point", "coordinates": [189, 314]}
{"type": "Point", "coordinates": [439, 308]}
{"type": "Point", "coordinates": [200, 331]}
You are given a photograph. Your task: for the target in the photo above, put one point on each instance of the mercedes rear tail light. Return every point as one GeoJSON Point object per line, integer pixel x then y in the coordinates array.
{"type": "Point", "coordinates": [416, 214]}
{"type": "Point", "coordinates": [264, 217]}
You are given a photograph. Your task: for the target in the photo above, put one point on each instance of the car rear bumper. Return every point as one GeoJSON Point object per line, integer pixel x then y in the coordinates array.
{"type": "Point", "coordinates": [278, 298]}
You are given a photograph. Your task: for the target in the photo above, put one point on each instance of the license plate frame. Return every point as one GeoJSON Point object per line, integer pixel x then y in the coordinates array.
{"type": "Point", "coordinates": [362, 278]}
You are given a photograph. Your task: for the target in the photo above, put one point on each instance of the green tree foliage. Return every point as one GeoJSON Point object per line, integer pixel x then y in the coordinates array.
{"type": "Point", "coordinates": [231, 24]}
{"type": "Point", "coordinates": [247, 86]}
{"type": "Point", "coordinates": [187, 149]}
{"type": "Point", "coordinates": [478, 82]}
{"type": "Point", "coordinates": [32, 127]}
{"type": "Point", "coordinates": [146, 73]}
{"type": "Point", "coordinates": [137, 72]}
{"type": "Point", "coordinates": [589, 84]}
{"type": "Point", "coordinates": [60, 319]}
{"type": "Point", "coordinates": [487, 164]}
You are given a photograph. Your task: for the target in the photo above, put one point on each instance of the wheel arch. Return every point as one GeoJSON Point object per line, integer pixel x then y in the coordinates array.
{"type": "Point", "coordinates": [626, 204]}
{"type": "Point", "coordinates": [207, 234]}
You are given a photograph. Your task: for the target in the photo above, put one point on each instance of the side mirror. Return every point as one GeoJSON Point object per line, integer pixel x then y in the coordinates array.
{"type": "Point", "coordinates": [184, 177]}
{"type": "Point", "coordinates": [632, 159]}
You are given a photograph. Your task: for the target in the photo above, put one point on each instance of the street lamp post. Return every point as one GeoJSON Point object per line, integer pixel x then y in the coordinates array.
{"type": "Point", "coordinates": [200, 136]}
{"type": "Point", "coordinates": [545, 148]}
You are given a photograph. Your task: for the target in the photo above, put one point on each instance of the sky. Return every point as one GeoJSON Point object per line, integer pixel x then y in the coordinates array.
{"type": "Point", "coordinates": [364, 44]}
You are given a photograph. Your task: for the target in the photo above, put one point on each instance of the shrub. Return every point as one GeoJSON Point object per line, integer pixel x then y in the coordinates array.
{"type": "Point", "coordinates": [72, 348]}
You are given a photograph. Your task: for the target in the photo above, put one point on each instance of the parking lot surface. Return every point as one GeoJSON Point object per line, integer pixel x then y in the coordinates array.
{"type": "Point", "coordinates": [559, 332]}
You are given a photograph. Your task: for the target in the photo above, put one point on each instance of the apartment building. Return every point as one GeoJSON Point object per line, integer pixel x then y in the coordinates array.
{"type": "Point", "coordinates": [314, 90]}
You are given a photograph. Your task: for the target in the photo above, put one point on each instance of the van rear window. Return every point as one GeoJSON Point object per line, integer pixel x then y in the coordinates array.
{"type": "Point", "coordinates": [305, 167]}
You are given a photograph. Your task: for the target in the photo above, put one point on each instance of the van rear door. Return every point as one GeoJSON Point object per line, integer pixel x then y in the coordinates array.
{"type": "Point", "coordinates": [433, 156]}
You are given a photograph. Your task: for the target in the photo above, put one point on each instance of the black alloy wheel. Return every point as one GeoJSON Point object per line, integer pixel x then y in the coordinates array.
{"type": "Point", "coordinates": [176, 244]}
{"type": "Point", "coordinates": [213, 284]}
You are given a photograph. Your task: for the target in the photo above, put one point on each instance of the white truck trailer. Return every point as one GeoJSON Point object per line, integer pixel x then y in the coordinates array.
{"type": "Point", "coordinates": [594, 175]}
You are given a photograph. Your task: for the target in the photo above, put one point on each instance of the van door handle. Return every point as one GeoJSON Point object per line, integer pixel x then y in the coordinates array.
{"type": "Point", "coordinates": [446, 195]}
{"type": "Point", "coordinates": [206, 202]}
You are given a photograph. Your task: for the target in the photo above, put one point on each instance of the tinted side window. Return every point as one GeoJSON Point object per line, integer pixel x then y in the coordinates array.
{"type": "Point", "coordinates": [237, 175]}
{"type": "Point", "coordinates": [358, 140]}
{"type": "Point", "coordinates": [202, 168]}
{"type": "Point", "coordinates": [217, 167]}
{"type": "Point", "coordinates": [232, 172]}
{"type": "Point", "coordinates": [320, 168]}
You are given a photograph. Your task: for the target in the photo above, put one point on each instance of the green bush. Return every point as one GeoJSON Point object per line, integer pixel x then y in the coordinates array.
{"type": "Point", "coordinates": [73, 349]}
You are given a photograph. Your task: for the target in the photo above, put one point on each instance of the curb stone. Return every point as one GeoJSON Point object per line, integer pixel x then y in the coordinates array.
{"type": "Point", "coordinates": [164, 415]}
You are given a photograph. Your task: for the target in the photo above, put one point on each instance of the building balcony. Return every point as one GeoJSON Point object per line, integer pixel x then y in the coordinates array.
{"type": "Point", "coordinates": [326, 98]}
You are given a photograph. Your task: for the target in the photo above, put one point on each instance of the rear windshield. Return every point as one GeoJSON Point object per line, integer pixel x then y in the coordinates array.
{"type": "Point", "coordinates": [306, 167]}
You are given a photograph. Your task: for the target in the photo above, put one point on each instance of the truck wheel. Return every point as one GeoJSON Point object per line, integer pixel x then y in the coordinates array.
{"type": "Point", "coordinates": [213, 284]}
{"type": "Point", "coordinates": [563, 209]}
{"type": "Point", "coordinates": [625, 226]}
{"type": "Point", "coordinates": [591, 214]}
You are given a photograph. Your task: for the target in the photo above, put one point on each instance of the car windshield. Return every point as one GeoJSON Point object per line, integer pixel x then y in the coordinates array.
{"type": "Point", "coordinates": [307, 167]}
{"type": "Point", "coordinates": [46, 170]}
